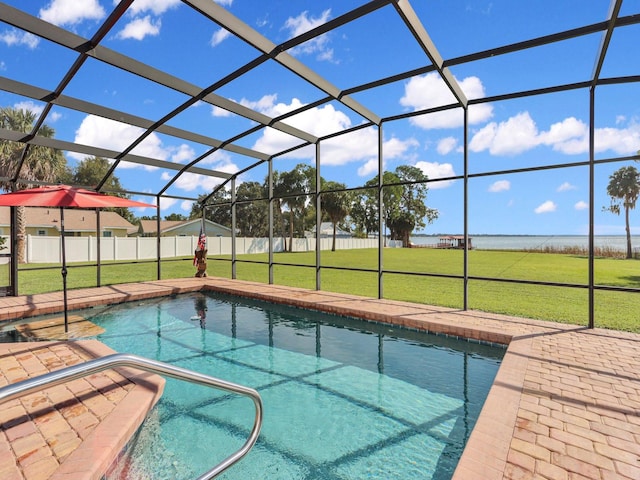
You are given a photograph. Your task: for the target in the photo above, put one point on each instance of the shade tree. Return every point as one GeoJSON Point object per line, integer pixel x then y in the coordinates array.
{"type": "Point", "coordinates": [335, 203]}
{"type": "Point", "coordinates": [91, 171]}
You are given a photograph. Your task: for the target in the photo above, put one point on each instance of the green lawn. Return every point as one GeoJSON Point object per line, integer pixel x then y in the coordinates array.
{"type": "Point", "coordinates": [616, 310]}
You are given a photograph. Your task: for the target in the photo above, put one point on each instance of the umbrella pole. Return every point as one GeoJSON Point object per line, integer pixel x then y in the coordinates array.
{"type": "Point", "coordinates": [64, 270]}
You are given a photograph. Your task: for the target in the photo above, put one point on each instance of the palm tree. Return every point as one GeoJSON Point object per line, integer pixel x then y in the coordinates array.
{"type": "Point", "coordinates": [291, 187]}
{"type": "Point", "coordinates": [42, 164]}
{"type": "Point", "coordinates": [335, 202]}
{"type": "Point", "coordinates": [624, 187]}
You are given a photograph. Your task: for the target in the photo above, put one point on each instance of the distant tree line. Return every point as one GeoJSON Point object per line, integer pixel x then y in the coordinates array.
{"type": "Point", "coordinates": [355, 210]}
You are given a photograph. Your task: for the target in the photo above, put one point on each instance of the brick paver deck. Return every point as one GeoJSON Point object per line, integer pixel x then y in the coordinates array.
{"type": "Point", "coordinates": [565, 403]}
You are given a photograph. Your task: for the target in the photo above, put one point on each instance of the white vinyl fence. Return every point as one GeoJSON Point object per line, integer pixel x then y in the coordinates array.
{"type": "Point", "coordinates": [42, 249]}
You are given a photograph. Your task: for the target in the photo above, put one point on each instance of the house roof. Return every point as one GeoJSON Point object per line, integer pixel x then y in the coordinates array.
{"type": "Point", "coordinates": [150, 226]}
{"type": "Point", "coordinates": [326, 228]}
{"type": "Point", "coordinates": [75, 220]}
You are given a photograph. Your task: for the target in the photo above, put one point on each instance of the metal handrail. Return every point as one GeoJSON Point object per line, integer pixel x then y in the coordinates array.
{"type": "Point", "coordinates": [74, 372]}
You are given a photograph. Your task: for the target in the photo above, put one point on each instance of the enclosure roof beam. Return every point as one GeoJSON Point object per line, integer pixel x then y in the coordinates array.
{"type": "Point", "coordinates": [104, 153]}
{"type": "Point", "coordinates": [243, 31]}
{"type": "Point", "coordinates": [614, 10]}
{"type": "Point", "coordinates": [413, 23]}
{"type": "Point", "coordinates": [75, 42]}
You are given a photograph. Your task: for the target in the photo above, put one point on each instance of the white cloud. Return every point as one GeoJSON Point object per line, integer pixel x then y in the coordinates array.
{"type": "Point", "coordinates": [219, 161]}
{"type": "Point", "coordinates": [37, 110]}
{"type": "Point", "coordinates": [546, 207]}
{"type": "Point", "coordinates": [30, 106]}
{"type": "Point", "coordinates": [157, 7]}
{"type": "Point", "coordinates": [16, 38]}
{"type": "Point", "coordinates": [446, 145]}
{"type": "Point", "coordinates": [186, 205]}
{"type": "Point", "coordinates": [71, 12]}
{"type": "Point", "coordinates": [565, 187]}
{"type": "Point", "coordinates": [219, 36]}
{"type": "Point", "coordinates": [360, 145]}
{"type": "Point", "coordinates": [166, 203]}
{"type": "Point", "coordinates": [563, 131]}
{"type": "Point", "coordinates": [105, 133]}
{"type": "Point", "coordinates": [143, 25]}
{"type": "Point", "coordinates": [429, 91]}
{"type": "Point", "coordinates": [569, 136]}
{"type": "Point", "coordinates": [192, 181]}
{"type": "Point", "coordinates": [318, 121]}
{"type": "Point", "coordinates": [516, 135]}
{"type": "Point", "coordinates": [581, 205]}
{"type": "Point", "coordinates": [435, 170]}
{"type": "Point", "coordinates": [220, 112]}
{"type": "Point", "coordinates": [500, 186]}
{"type": "Point", "coordinates": [139, 28]}
{"type": "Point", "coordinates": [395, 148]}
{"type": "Point", "coordinates": [182, 154]}
{"type": "Point", "coordinates": [303, 23]}
{"type": "Point", "coordinates": [623, 141]}
{"type": "Point", "coordinates": [318, 45]}
{"type": "Point", "coordinates": [152, 199]}
{"type": "Point", "coordinates": [369, 168]}
{"type": "Point", "coordinates": [267, 105]}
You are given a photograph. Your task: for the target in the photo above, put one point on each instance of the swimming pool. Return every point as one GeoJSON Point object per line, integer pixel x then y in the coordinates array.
{"type": "Point", "coordinates": [343, 399]}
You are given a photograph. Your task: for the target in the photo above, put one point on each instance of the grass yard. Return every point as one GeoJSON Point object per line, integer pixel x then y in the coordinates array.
{"type": "Point", "coordinates": [616, 310]}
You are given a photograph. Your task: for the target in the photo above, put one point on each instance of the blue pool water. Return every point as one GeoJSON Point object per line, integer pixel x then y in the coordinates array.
{"type": "Point", "coordinates": [343, 399]}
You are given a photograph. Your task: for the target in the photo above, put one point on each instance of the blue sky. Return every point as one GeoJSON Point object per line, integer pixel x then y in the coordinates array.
{"type": "Point", "coordinates": [528, 132]}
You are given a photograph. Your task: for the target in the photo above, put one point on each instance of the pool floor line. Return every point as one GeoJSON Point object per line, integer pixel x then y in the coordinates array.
{"type": "Point", "coordinates": [565, 401]}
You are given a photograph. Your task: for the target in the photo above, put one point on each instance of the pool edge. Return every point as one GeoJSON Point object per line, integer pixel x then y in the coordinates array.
{"type": "Point", "coordinates": [547, 396]}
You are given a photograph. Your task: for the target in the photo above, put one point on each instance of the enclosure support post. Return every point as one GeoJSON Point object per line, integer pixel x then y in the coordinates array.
{"type": "Point", "coordinates": [591, 205]}
{"type": "Point", "coordinates": [64, 271]}
{"type": "Point", "coordinates": [98, 256]}
{"type": "Point", "coordinates": [318, 202]}
{"type": "Point", "coordinates": [381, 238]}
{"type": "Point", "coordinates": [14, 251]}
{"type": "Point", "coordinates": [614, 11]}
{"type": "Point", "coordinates": [465, 267]}
{"type": "Point", "coordinates": [270, 214]}
{"type": "Point", "coordinates": [158, 253]}
{"type": "Point", "coordinates": [233, 228]}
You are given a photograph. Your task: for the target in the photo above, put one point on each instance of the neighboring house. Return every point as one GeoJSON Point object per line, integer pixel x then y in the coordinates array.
{"type": "Point", "coordinates": [182, 228]}
{"type": "Point", "coordinates": [326, 231]}
{"type": "Point", "coordinates": [45, 221]}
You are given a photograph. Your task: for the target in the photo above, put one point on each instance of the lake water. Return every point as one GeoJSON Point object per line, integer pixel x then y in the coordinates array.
{"type": "Point", "coordinates": [521, 242]}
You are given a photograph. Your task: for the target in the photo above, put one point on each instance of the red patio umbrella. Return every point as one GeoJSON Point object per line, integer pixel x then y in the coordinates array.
{"type": "Point", "coordinates": [63, 196]}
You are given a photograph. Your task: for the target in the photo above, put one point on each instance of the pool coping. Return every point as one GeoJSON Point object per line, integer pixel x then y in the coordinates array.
{"type": "Point", "coordinates": [75, 430]}
{"type": "Point", "coordinates": [565, 402]}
